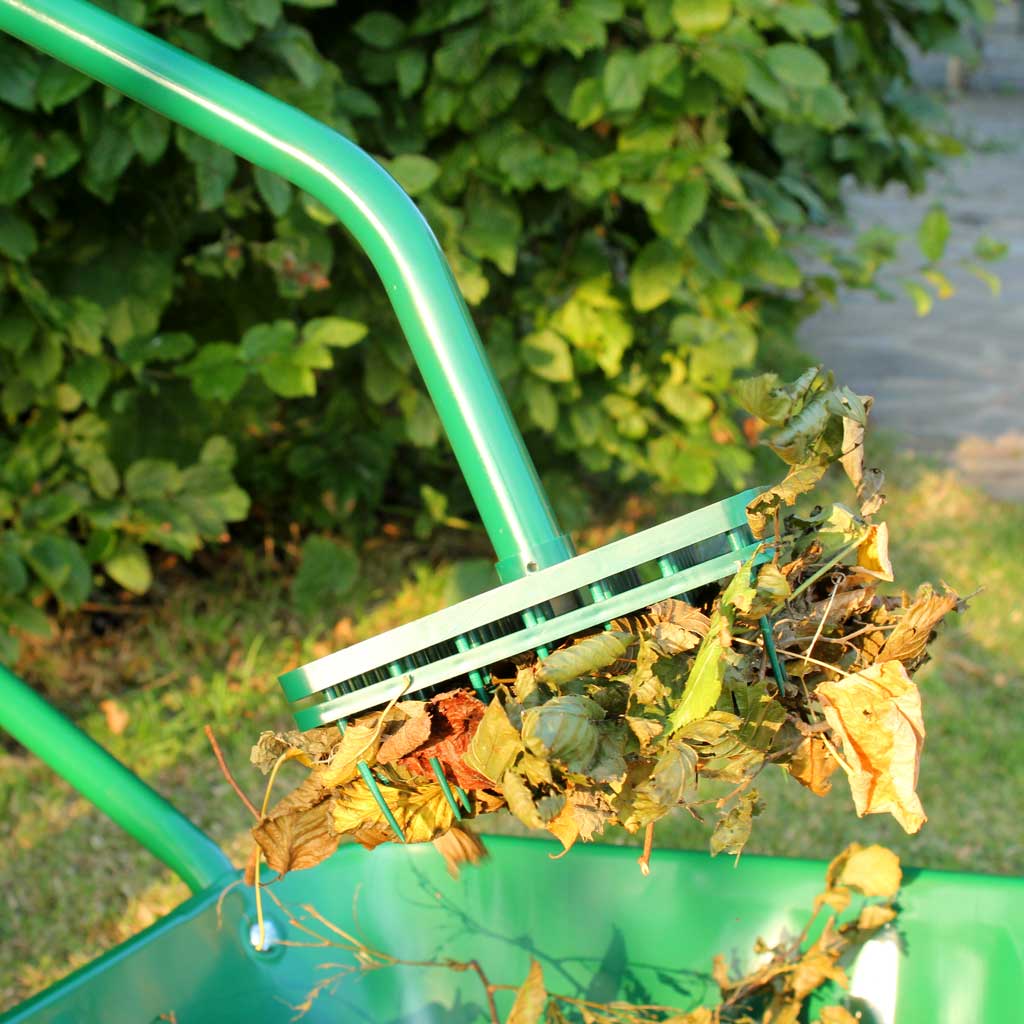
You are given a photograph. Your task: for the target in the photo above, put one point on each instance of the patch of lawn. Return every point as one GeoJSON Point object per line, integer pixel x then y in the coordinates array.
{"type": "Point", "coordinates": [208, 650]}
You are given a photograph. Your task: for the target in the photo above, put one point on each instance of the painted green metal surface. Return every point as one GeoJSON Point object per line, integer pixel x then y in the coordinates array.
{"type": "Point", "coordinates": [958, 956]}
{"type": "Point", "coordinates": [116, 791]}
{"type": "Point", "coordinates": [381, 217]}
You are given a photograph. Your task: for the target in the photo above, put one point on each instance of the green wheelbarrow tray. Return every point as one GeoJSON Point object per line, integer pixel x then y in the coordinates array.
{"type": "Point", "coordinates": [958, 956]}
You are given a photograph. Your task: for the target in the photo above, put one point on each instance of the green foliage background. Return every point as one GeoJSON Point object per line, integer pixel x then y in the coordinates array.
{"type": "Point", "coordinates": [624, 190]}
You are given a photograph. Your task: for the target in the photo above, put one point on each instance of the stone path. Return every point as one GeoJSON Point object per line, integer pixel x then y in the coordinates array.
{"type": "Point", "coordinates": [951, 383]}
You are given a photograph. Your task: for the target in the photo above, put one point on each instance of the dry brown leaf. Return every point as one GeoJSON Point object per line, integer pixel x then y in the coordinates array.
{"type": "Point", "coordinates": [459, 846]}
{"type": "Point", "coordinates": [407, 730]}
{"type": "Point", "coordinates": [812, 764]}
{"type": "Point", "coordinates": [645, 729]}
{"type": "Point", "coordinates": [314, 746]}
{"type": "Point", "coordinates": [297, 840]}
{"type": "Point", "coordinates": [116, 715]}
{"type": "Point", "coordinates": [907, 642]}
{"type": "Point", "coordinates": [837, 1015]}
{"type": "Point", "coordinates": [455, 717]}
{"type": "Point", "coordinates": [814, 970]}
{"type": "Point", "coordinates": [876, 716]}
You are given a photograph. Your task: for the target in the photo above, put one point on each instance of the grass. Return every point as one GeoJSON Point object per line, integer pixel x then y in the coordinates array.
{"type": "Point", "coordinates": [208, 647]}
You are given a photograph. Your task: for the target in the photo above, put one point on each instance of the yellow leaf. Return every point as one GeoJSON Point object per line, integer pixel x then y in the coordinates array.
{"type": "Point", "coordinates": [873, 553]}
{"type": "Point", "coordinates": [564, 828]}
{"type": "Point", "coordinates": [812, 764]}
{"type": "Point", "coordinates": [876, 716]}
{"type": "Point", "coordinates": [874, 915]}
{"type": "Point", "coordinates": [531, 998]}
{"type": "Point", "coordinates": [870, 870]}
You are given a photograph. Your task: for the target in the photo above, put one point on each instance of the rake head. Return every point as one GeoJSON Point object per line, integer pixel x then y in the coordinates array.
{"type": "Point", "coordinates": [455, 646]}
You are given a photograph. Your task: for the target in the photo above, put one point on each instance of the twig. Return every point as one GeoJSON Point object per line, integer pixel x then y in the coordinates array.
{"type": "Point", "coordinates": [645, 858]}
{"type": "Point", "coordinates": [226, 772]}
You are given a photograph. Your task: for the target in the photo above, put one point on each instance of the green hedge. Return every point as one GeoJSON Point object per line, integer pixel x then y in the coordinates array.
{"type": "Point", "coordinates": [625, 191]}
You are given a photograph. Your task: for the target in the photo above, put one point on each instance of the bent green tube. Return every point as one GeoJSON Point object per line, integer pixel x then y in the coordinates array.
{"type": "Point", "coordinates": [119, 793]}
{"type": "Point", "coordinates": [382, 218]}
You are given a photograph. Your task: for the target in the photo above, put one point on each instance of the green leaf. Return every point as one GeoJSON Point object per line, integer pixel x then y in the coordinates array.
{"type": "Point", "coordinates": [218, 451]}
{"type": "Point", "coordinates": [494, 745]}
{"type": "Point", "coordinates": [379, 29]}
{"type": "Point", "coordinates": [806, 19]}
{"type": "Point", "coordinates": [587, 104]}
{"type": "Point", "coordinates": [265, 340]}
{"type": "Point", "coordinates": [988, 249]}
{"type": "Point", "coordinates": [797, 66]}
{"type": "Point", "coordinates": [541, 404]}
{"type": "Point", "coordinates": [422, 426]}
{"type": "Point", "coordinates": [17, 237]}
{"type": "Point", "coordinates": [263, 12]}
{"type": "Point", "coordinates": [732, 830]}
{"type": "Point", "coordinates": [933, 234]}
{"type": "Point", "coordinates": [152, 478]}
{"type": "Point", "coordinates": [335, 331]}
{"type": "Point", "coordinates": [531, 998]}
{"type": "Point", "coordinates": [697, 17]}
{"type": "Point", "coordinates": [62, 568]}
{"type": "Point", "coordinates": [655, 275]}
{"type": "Point", "coordinates": [28, 618]}
{"type": "Point", "coordinates": [274, 191]}
{"type": "Point", "coordinates": [129, 567]}
{"type": "Point", "coordinates": [547, 354]}
{"type": "Point", "coordinates": [492, 231]}
{"type": "Point", "coordinates": [13, 574]}
{"type": "Point", "coordinates": [624, 81]}
{"type": "Point", "coordinates": [327, 573]}
{"type": "Point", "coordinates": [166, 347]}
{"type": "Point", "coordinates": [583, 658]}
{"type": "Point", "coordinates": [414, 173]}
{"type": "Point", "coordinates": [564, 727]}
{"type": "Point", "coordinates": [228, 23]}
{"type": "Point", "coordinates": [58, 84]}
{"type": "Point", "coordinates": [150, 132]}
{"type": "Point", "coordinates": [411, 71]}
{"type": "Point", "coordinates": [43, 359]}
{"type": "Point", "coordinates": [21, 68]}
{"type": "Point", "coordinates": [214, 166]}
{"type": "Point", "coordinates": [216, 372]}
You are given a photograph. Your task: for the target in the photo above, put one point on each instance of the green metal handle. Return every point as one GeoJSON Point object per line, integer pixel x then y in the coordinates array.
{"type": "Point", "coordinates": [189, 853]}
{"type": "Point", "coordinates": [382, 218]}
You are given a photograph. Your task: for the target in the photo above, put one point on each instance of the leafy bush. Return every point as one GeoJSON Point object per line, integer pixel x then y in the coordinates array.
{"type": "Point", "coordinates": [624, 190]}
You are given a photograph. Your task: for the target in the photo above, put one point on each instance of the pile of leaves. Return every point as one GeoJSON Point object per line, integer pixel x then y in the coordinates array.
{"type": "Point", "coordinates": [774, 992]}
{"type": "Point", "coordinates": [678, 706]}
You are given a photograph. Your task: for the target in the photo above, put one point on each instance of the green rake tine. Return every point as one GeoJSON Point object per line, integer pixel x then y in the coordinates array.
{"type": "Point", "coordinates": [371, 782]}
{"type": "Point", "coordinates": [478, 678]}
{"type": "Point", "coordinates": [445, 788]}
{"type": "Point", "coordinates": [737, 539]}
{"type": "Point", "coordinates": [464, 797]}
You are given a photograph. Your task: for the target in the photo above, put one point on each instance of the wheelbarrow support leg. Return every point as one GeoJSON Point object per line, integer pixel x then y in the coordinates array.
{"type": "Point", "coordinates": [102, 779]}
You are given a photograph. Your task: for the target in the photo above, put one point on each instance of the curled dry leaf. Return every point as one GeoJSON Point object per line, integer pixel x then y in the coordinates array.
{"type": "Point", "coordinates": [460, 846]}
{"type": "Point", "coordinates": [876, 715]}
